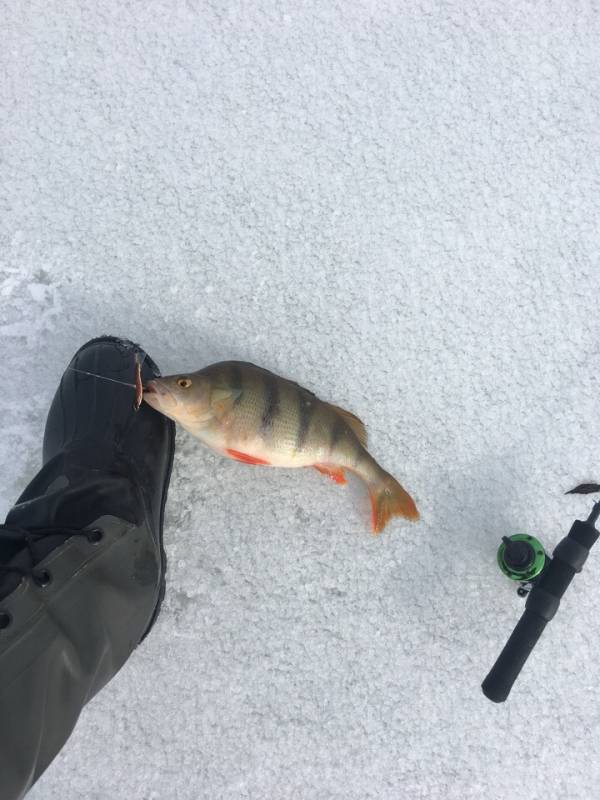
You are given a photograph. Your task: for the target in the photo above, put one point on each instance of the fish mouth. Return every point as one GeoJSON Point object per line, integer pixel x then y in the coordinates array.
{"type": "Point", "coordinates": [154, 387]}
{"type": "Point", "coordinates": [157, 394]}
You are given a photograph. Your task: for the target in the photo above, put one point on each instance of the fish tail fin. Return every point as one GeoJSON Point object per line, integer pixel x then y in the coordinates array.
{"type": "Point", "coordinates": [388, 499]}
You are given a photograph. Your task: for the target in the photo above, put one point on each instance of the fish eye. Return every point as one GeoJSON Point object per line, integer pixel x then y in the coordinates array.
{"type": "Point", "coordinates": [184, 383]}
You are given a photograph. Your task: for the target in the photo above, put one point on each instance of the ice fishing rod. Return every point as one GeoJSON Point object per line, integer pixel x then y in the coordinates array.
{"type": "Point", "coordinates": [543, 580]}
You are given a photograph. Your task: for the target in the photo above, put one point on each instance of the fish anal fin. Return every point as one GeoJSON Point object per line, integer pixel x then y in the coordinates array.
{"type": "Point", "coordinates": [335, 473]}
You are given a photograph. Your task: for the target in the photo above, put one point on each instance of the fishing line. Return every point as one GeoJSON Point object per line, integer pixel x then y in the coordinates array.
{"type": "Point", "coordinates": [102, 377]}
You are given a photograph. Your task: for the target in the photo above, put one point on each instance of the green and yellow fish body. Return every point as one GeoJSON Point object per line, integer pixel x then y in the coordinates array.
{"type": "Point", "coordinates": [252, 415]}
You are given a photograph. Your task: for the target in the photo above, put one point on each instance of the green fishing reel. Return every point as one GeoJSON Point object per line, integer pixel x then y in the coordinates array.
{"type": "Point", "coordinates": [522, 558]}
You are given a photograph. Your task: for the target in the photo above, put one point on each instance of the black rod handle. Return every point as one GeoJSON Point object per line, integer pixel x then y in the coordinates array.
{"type": "Point", "coordinates": [542, 604]}
{"type": "Point", "coordinates": [510, 662]}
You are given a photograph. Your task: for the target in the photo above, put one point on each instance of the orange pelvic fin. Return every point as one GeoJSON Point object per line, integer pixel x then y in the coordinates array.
{"type": "Point", "coordinates": [335, 473]}
{"type": "Point", "coordinates": [245, 458]}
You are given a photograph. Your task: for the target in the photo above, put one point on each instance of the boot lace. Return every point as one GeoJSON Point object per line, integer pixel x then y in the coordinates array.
{"type": "Point", "coordinates": [29, 537]}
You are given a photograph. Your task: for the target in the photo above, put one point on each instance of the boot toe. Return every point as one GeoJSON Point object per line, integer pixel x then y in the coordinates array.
{"type": "Point", "coordinates": [95, 399]}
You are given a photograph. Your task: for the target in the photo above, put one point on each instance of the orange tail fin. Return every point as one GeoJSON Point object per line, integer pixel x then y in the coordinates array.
{"type": "Point", "coordinates": [389, 499]}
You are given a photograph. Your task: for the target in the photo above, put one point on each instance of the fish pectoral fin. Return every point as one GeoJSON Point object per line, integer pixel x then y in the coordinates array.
{"type": "Point", "coordinates": [335, 473]}
{"type": "Point", "coordinates": [354, 423]}
{"type": "Point", "coordinates": [245, 458]}
{"type": "Point", "coordinates": [222, 400]}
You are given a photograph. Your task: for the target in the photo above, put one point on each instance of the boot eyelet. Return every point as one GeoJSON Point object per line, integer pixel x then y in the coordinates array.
{"type": "Point", "coordinates": [95, 535]}
{"type": "Point", "coordinates": [5, 620]}
{"type": "Point", "coordinates": [42, 578]}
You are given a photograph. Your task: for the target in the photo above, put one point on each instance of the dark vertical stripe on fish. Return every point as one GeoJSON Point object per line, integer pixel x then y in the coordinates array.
{"type": "Point", "coordinates": [337, 432]}
{"type": "Point", "coordinates": [361, 454]}
{"type": "Point", "coordinates": [235, 379]}
{"type": "Point", "coordinates": [271, 389]}
{"type": "Point", "coordinates": [306, 409]}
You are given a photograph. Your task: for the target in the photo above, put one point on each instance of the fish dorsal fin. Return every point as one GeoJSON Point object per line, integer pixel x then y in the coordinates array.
{"type": "Point", "coordinates": [354, 423]}
{"type": "Point", "coordinates": [222, 400]}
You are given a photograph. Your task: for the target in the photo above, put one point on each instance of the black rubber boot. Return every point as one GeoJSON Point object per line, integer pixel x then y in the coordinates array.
{"type": "Point", "coordinates": [82, 565]}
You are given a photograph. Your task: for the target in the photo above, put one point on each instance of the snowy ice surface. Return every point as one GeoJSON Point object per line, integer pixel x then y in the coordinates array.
{"type": "Point", "coordinates": [397, 205]}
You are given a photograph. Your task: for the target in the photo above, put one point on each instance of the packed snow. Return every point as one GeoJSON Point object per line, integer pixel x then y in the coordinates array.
{"type": "Point", "coordinates": [395, 204]}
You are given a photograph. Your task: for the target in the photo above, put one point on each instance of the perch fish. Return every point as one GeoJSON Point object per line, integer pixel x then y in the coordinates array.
{"type": "Point", "coordinates": [252, 415]}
